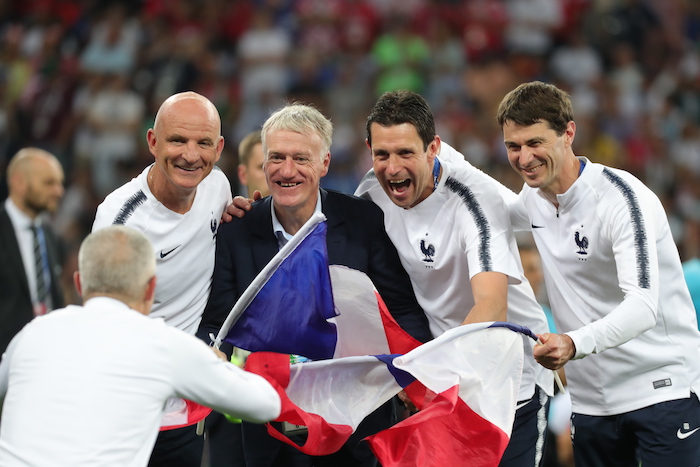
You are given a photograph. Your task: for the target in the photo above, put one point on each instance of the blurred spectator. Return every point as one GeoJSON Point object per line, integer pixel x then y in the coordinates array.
{"type": "Point", "coordinates": [632, 22]}
{"type": "Point", "coordinates": [576, 63]}
{"type": "Point", "coordinates": [114, 116]}
{"type": "Point", "coordinates": [113, 43]}
{"type": "Point", "coordinates": [320, 26]}
{"type": "Point", "coordinates": [446, 64]}
{"type": "Point", "coordinates": [250, 165]}
{"type": "Point", "coordinates": [263, 52]}
{"type": "Point", "coordinates": [402, 57]}
{"type": "Point", "coordinates": [685, 150]}
{"type": "Point", "coordinates": [482, 31]}
{"type": "Point", "coordinates": [626, 80]}
{"type": "Point", "coordinates": [360, 24]}
{"type": "Point", "coordinates": [309, 78]}
{"type": "Point", "coordinates": [531, 24]}
{"type": "Point", "coordinates": [691, 270]}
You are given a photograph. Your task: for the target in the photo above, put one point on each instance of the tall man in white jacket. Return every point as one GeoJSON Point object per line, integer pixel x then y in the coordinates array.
{"type": "Point", "coordinates": [86, 385]}
{"type": "Point", "coordinates": [452, 231]}
{"type": "Point", "coordinates": [616, 288]}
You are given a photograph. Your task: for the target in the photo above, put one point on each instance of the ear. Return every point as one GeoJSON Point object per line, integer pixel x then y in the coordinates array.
{"type": "Point", "coordinates": [151, 140]}
{"type": "Point", "coordinates": [368, 145]}
{"type": "Point", "coordinates": [326, 164]}
{"type": "Point", "coordinates": [76, 282]}
{"type": "Point", "coordinates": [243, 174]}
{"type": "Point", "coordinates": [219, 148]}
{"type": "Point", "coordinates": [434, 148]}
{"type": "Point", "coordinates": [570, 134]}
{"type": "Point", "coordinates": [150, 292]}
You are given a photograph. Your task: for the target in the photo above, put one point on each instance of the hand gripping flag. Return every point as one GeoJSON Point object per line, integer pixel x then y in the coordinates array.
{"type": "Point", "coordinates": [465, 382]}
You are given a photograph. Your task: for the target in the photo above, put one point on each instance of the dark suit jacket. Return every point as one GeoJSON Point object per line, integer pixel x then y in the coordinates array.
{"type": "Point", "coordinates": [355, 238]}
{"type": "Point", "coordinates": [16, 308]}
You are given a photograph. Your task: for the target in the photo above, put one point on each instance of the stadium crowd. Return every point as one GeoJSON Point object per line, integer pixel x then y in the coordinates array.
{"type": "Point", "coordinates": [83, 79]}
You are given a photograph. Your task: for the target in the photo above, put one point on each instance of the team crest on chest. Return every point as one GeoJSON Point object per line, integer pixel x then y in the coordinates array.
{"type": "Point", "coordinates": [428, 251]}
{"type": "Point", "coordinates": [214, 225]}
{"type": "Point", "coordinates": [581, 243]}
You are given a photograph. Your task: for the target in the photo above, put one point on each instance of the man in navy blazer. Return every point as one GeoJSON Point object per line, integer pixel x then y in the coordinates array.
{"type": "Point", "coordinates": [296, 143]}
{"type": "Point", "coordinates": [35, 181]}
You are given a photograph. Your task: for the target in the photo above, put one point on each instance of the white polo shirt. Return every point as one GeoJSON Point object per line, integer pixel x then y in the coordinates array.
{"type": "Point", "coordinates": [184, 243]}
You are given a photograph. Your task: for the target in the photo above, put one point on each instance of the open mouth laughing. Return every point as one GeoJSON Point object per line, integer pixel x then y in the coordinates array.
{"type": "Point", "coordinates": [399, 186]}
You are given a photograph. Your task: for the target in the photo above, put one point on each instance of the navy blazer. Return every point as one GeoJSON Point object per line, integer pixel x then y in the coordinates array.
{"type": "Point", "coordinates": [16, 307]}
{"type": "Point", "coordinates": [355, 238]}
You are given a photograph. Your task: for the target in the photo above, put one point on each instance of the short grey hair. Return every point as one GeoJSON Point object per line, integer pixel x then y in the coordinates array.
{"type": "Point", "coordinates": [116, 261]}
{"type": "Point", "coordinates": [300, 118]}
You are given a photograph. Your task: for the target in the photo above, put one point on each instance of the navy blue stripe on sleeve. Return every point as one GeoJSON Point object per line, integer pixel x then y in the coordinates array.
{"type": "Point", "coordinates": [482, 224]}
{"type": "Point", "coordinates": [129, 207]}
{"type": "Point", "coordinates": [641, 244]}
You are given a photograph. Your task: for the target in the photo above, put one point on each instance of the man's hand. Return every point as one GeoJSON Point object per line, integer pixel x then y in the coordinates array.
{"type": "Point", "coordinates": [239, 206]}
{"type": "Point", "coordinates": [554, 351]}
{"type": "Point", "coordinates": [219, 354]}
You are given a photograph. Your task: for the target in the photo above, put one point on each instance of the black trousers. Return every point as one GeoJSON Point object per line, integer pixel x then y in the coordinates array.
{"type": "Point", "coordinates": [181, 447]}
{"type": "Point", "coordinates": [663, 434]}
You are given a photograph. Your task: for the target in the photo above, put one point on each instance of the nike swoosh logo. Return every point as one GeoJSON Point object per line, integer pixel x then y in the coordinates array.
{"type": "Point", "coordinates": [164, 254]}
{"type": "Point", "coordinates": [682, 435]}
{"type": "Point", "coordinates": [537, 226]}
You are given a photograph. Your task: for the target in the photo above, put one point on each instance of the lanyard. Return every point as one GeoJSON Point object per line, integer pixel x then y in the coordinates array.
{"type": "Point", "coordinates": [436, 173]}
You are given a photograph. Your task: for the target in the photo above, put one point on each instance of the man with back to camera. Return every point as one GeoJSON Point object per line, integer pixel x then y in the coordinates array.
{"type": "Point", "coordinates": [628, 332]}
{"type": "Point", "coordinates": [296, 142]}
{"type": "Point", "coordinates": [177, 202]}
{"type": "Point", "coordinates": [30, 262]}
{"type": "Point", "coordinates": [87, 384]}
{"type": "Point", "coordinates": [452, 231]}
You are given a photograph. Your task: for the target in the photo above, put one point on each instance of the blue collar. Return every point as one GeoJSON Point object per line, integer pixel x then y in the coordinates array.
{"type": "Point", "coordinates": [436, 173]}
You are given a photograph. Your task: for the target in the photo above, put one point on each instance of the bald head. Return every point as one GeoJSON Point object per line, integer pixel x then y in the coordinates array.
{"type": "Point", "coordinates": [35, 181]}
{"type": "Point", "coordinates": [184, 100]}
{"type": "Point", "coordinates": [117, 262]}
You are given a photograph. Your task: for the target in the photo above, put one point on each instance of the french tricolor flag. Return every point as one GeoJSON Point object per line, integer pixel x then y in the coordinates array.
{"type": "Point", "coordinates": [464, 382]}
{"type": "Point", "coordinates": [299, 305]}
{"type": "Point", "coordinates": [179, 413]}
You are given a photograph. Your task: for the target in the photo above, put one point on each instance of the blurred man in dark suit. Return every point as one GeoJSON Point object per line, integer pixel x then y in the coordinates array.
{"type": "Point", "coordinates": [30, 259]}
